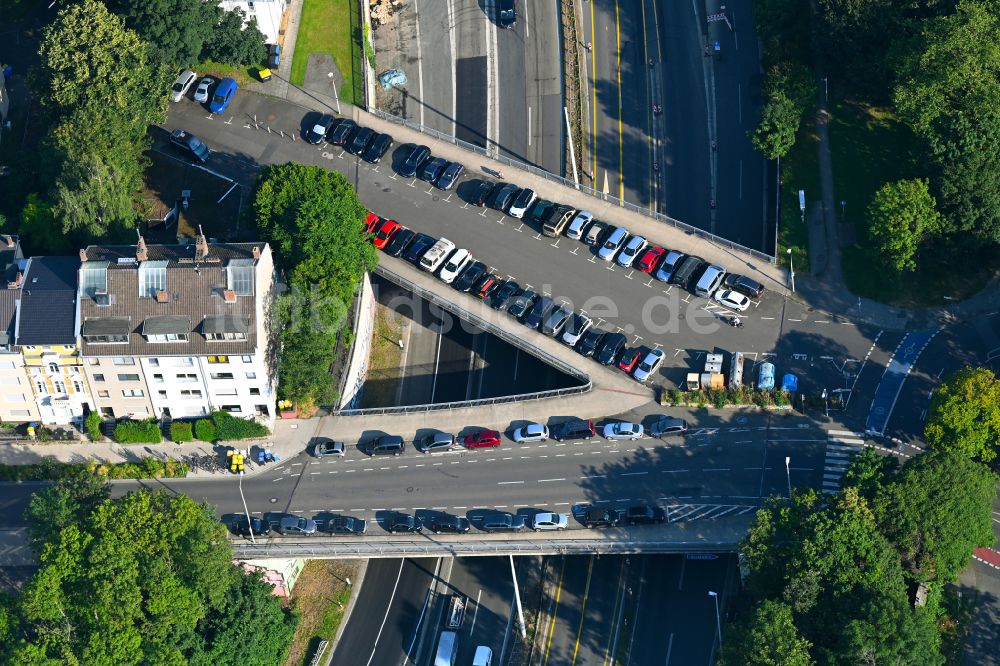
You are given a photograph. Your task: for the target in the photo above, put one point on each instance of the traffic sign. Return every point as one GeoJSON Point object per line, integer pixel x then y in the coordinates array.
{"type": "Point", "coordinates": [702, 556]}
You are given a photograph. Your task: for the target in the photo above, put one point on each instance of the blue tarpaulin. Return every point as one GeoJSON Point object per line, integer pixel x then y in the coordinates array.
{"type": "Point", "coordinates": [392, 78]}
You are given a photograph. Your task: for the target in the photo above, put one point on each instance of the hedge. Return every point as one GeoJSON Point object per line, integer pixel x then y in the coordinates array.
{"type": "Point", "coordinates": [229, 427]}
{"type": "Point", "coordinates": [204, 430]}
{"type": "Point", "coordinates": [50, 469]}
{"type": "Point", "coordinates": [180, 431]}
{"type": "Point", "coordinates": [138, 432]}
{"type": "Point", "coordinates": [93, 425]}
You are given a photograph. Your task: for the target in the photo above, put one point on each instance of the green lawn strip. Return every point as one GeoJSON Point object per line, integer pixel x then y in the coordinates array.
{"type": "Point", "coordinates": [331, 27]}
{"type": "Point", "coordinates": [799, 171]}
{"type": "Point", "coordinates": [329, 622]}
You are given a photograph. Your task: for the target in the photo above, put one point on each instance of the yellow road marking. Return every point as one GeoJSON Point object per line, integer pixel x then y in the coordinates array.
{"type": "Point", "coordinates": [555, 612]}
{"type": "Point", "coordinates": [583, 609]}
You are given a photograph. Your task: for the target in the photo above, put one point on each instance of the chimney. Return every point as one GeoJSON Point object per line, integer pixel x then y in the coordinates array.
{"type": "Point", "coordinates": [141, 254]}
{"type": "Point", "coordinates": [256, 252]}
{"type": "Point", "coordinates": [162, 297]}
{"type": "Point", "coordinates": [200, 246]}
{"type": "Point", "coordinates": [229, 296]}
{"type": "Point", "coordinates": [16, 282]}
{"type": "Point", "coordinates": [9, 240]}
{"type": "Point", "coordinates": [83, 254]}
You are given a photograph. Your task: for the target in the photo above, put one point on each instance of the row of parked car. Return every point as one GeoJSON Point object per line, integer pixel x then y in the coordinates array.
{"type": "Point", "coordinates": [444, 523]}
{"type": "Point", "coordinates": [436, 442]}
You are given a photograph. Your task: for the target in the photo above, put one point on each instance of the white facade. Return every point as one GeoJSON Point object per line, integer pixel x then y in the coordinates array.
{"type": "Point", "coordinates": [195, 386]}
{"type": "Point", "coordinates": [17, 401]}
{"type": "Point", "coordinates": [267, 13]}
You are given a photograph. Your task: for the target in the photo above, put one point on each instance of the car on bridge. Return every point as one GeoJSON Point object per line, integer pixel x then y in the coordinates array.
{"type": "Point", "coordinates": [256, 526]}
{"type": "Point", "coordinates": [486, 285]}
{"type": "Point", "coordinates": [549, 521]}
{"type": "Point", "coordinates": [596, 517]}
{"type": "Point", "coordinates": [556, 321]}
{"type": "Point", "coordinates": [456, 263]}
{"type": "Point", "coordinates": [538, 312]}
{"type": "Point", "coordinates": [502, 296]}
{"type": "Point", "coordinates": [522, 303]}
{"type": "Point", "coordinates": [400, 242]}
{"type": "Point", "coordinates": [576, 328]}
{"type": "Point", "coordinates": [629, 359]}
{"type": "Point", "coordinates": [623, 430]}
{"type": "Point", "coordinates": [645, 514]}
{"type": "Point", "coordinates": [384, 233]}
{"type": "Point", "coordinates": [501, 521]}
{"type": "Point", "coordinates": [482, 439]}
{"type": "Point", "coordinates": [590, 342]}
{"type": "Point", "coordinates": [295, 526]}
{"type": "Point", "coordinates": [420, 244]}
{"type": "Point", "coordinates": [347, 525]}
{"type": "Point", "coordinates": [327, 448]}
{"type": "Point", "coordinates": [472, 273]}
{"type": "Point", "coordinates": [403, 522]}
{"type": "Point", "coordinates": [372, 221]}
{"type": "Point", "coordinates": [438, 441]}
{"type": "Point", "coordinates": [443, 522]}
{"type": "Point", "coordinates": [611, 347]}
{"type": "Point", "coordinates": [531, 432]}
{"type": "Point", "coordinates": [574, 429]}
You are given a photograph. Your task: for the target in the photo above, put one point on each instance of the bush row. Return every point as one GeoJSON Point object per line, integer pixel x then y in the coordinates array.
{"type": "Point", "coordinates": [49, 469]}
{"type": "Point", "coordinates": [138, 432]}
{"type": "Point", "coordinates": [219, 426]}
{"type": "Point", "coordinates": [719, 398]}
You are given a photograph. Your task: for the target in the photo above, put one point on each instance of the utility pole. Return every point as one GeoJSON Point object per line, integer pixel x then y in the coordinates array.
{"type": "Point", "coordinates": [718, 620]}
{"type": "Point", "coordinates": [246, 510]}
{"type": "Point", "coordinates": [788, 475]}
{"type": "Point", "coordinates": [572, 152]}
{"type": "Point", "coordinates": [517, 598]}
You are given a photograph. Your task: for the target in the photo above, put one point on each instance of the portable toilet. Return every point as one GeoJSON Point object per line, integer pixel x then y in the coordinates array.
{"type": "Point", "coordinates": [736, 370]}
{"type": "Point", "coordinates": [789, 383]}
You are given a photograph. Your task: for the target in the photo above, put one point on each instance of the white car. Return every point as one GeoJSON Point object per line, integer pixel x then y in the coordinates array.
{"type": "Point", "coordinates": [456, 264]}
{"type": "Point", "coordinates": [549, 521]}
{"type": "Point", "coordinates": [522, 202]}
{"type": "Point", "coordinates": [648, 365]}
{"type": "Point", "coordinates": [577, 326]}
{"type": "Point", "coordinates": [201, 92]}
{"type": "Point", "coordinates": [733, 300]}
{"type": "Point", "coordinates": [623, 430]}
{"type": "Point", "coordinates": [533, 432]}
{"type": "Point", "coordinates": [578, 224]}
{"type": "Point", "coordinates": [612, 244]}
{"type": "Point", "coordinates": [182, 85]}
{"type": "Point", "coordinates": [632, 249]}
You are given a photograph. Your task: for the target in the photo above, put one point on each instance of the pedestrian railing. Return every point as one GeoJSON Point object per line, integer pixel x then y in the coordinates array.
{"type": "Point", "coordinates": [551, 177]}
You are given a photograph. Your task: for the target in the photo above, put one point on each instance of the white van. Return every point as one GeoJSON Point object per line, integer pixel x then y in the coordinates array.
{"type": "Point", "coordinates": [484, 656]}
{"type": "Point", "coordinates": [710, 280]}
{"type": "Point", "coordinates": [456, 264]}
{"type": "Point", "coordinates": [435, 256]}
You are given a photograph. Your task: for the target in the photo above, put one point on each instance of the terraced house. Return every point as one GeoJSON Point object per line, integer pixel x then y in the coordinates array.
{"type": "Point", "coordinates": [177, 331]}
{"type": "Point", "coordinates": [17, 399]}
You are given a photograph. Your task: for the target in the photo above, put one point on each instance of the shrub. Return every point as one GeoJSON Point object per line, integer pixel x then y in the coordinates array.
{"type": "Point", "coordinates": [781, 398]}
{"type": "Point", "coordinates": [93, 425]}
{"type": "Point", "coordinates": [49, 469]}
{"type": "Point", "coordinates": [228, 427]}
{"type": "Point", "coordinates": [675, 397]}
{"type": "Point", "coordinates": [204, 430]}
{"type": "Point", "coordinates": [180, 431]}
{"type": "Point", "coordinates": [718, 398]}
{"type": "Point", "coordinates": [138, 432]}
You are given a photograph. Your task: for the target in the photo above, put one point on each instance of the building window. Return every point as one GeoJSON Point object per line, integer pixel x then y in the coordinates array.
{"type": "Point", "coordinates": [232, 409]}
{"type": "Point", "coordinates": [133, 393]}
{"type": "Point", "coordinates": [251, 375]}
{"type": "Point", "coordinates": [187, 360]}
{"type": "Point", "coordinates": [222, 375]}
{"type": "Point", "coordinates": [190, 393]}
{"type": "Point", "coordinates": [93, 361]}
{"type": "Point", "coordinates": [128, 377]}
{"type": "Point", "coordinates": [14, 397]}
{"type": "Point", "coordinates": [222, 337]}
{"type": "Point", "coordinates": [168, 337]}
{"type": "Point", "coordinates": [124, 360]}
{"type": "Point", "coordinates": [250, 6]}
{"type": "Point", "coordinates": [162, 394]}
{"type": "Point", "coordinates": [20, 412]}
{"type": "Point", "coordinates": [58, 386]}
{"type": "Point", "coordinates": [77, 386]}
{"type": "Point", "coordinates": [42, 389]}
{"type": "Point", "coordinates": [53, 367]}
{"type": "Point", "coordinates": [187, 377]}
{"type": "Point", "coordinates": [155, 362]}
{"type": "Point", "coordinates": [255, 391]}
{"type": "Point", "coordinates": [30, 348]}
{"type": "Point", "coordinates": [226, 392]}
{"type": "Point", "coordinates": [152, 278]}
{"type": "Point", "coordinates": [239, 275]}
{"type": "Point", "coordinates": [99, 377]}
{"type": "Point", "coordinates": [103, 394]}
{"type": "Point", "coordinates": [248, 359]}
{"type": "Point", "coordinates": [106, 339]}
{"type": "Point", "coordinates": [69, 348]}
{"type": "Point", "coordinates": [218, 359]}
{"type": "Point", "coordinates": [158, 379]}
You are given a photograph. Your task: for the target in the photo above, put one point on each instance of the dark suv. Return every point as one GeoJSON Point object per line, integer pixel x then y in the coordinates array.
{"type": "Point", "coordinates": [450, 524]}
{"type": "Point", "coordinates": [413, 161]}
{"type": "Point", "coordinates": [255, 525]}
{"type": "Point", "coordinates": [501, 521]}
{"type": "Point", "coordinates": [590, 342]}
{"type": "Point", "coordinates": [403, 522]}
{"type": "Point", "coordinates": [600, 518]}
{"type": "Point", "coordinates": [538, 313]}
{"type": "Point", "coordinates": [645, 514]}
{"type": "Point", "coordinates": [744, 285]}
{"type": "Point", "coordinates": [611, 348]}
{"type": "Point", "coordinates": [575, 429]}
{"type": "Point", "coordinates": [347, 525]}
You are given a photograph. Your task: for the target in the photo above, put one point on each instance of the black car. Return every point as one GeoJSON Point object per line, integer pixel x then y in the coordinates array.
{"type": "Point", "coordinates": [413, 161]}
{"type": "Point", "coordinates": [574, 429]}
{"type": "Point", "coordinates": [501, 521]}
{"type": "Point", "coordinates": [645, 514]}
{"type": "Point", "coordinates": [590, 342]}
{"type": "Point", "coordinates": [486, 285]}
{"type": "Point", "coordinates": [538, 312]}
{"type": "Point", "coordinates": [503, 294]}
{"type": "Point", "coordinates": [442, 522]}
{"type": "Point", "coordinates": [501, 196]}
{"type": "Point", "coordinates": [400, 241]}
{"type": "Point", "coordinates": [540, 209]}
{"type": "Point", "coordinates": [450, 176]}
{"type": "Point", "coordinates": [378, 147]}
{"type": "Point", "coordinates": [341, 132]}
{"type": "Point", "coordinates": [403, 522]}
{"type": "Point", "coordinates": [257, 526]}
{"type": "Point", "coordinates": [506, 14]}
{"type": "Point", "coordinates": [522, 303]}
{"type": "Point", "coordinates": [421, 243]}
{"type": "Point", "coordinates": [600, 518]}
{"type": "Point", "coordinates": [433, 168]}
{"type": "Point", "coordinates": [611, 348]}
{"type": "Point", "coordinates": [360, 140]}
{"type": "Point", "coordinates": [744, 285]}
{"type": "Point", "coordinates": [479, 192]}
{"type": "Point", "coordinates": [317, 133]}
{"type": "Point", "coordinates": [190, 144]}
{"type": "Point", "coordinates": [470, 276]}
{"type": "Point", "coordinates": [347, 525]}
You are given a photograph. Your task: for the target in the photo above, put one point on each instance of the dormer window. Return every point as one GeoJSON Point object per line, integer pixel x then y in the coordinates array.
{"type": "Point", "coordinates": [152, 278]}
{"type": "Point", "coordinates": [94, 279]}
{"type": "Point", "coordinates": [166, 328]}
{"type": "Point", "coordinates": [239, 276]}
{"type": "Point", "coordinates": [106, 330]}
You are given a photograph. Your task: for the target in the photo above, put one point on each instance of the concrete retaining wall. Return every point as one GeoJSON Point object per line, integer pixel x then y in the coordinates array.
{"type": "Point", "coordinates": [357, 366]}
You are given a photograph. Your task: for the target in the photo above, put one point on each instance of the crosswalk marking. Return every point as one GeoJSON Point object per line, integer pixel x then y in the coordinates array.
{"type": "Point", "coordinates": [841, 447]}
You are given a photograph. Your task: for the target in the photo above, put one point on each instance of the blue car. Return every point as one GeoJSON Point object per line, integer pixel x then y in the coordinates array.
{"type": "Point", "coordinates": [789, 383]}
{"type": "Point", "coordinates": [223, 93]}
{"type": "Point", "coordinates": [765, 377]}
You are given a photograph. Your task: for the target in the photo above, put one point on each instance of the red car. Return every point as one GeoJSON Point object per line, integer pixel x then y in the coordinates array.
{"type": "Point", "coordinates": [649, 259]}
{"type": "Point", "coordinates": [482, 439]}
{"type": "Point", "coordinates": [630, 358]}
{"type": "Point", "coordinates": [385, 232]}
{"type": "Point", "coordinates": [371, 222]}
{"type": "Point", "coordinates": [487, 285]}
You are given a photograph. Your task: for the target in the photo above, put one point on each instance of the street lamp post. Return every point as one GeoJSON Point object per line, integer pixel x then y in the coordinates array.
{"type": "Point", "coordinates": [718, 621]}
{"type": "Point", "coordinates": [517, 597]}
{"type": "Point", "coordinates": [246, 511]}
{"type": "Point", "coordinates": [788, 475]}
{"type": "Point", "coordinates": [791, 267]}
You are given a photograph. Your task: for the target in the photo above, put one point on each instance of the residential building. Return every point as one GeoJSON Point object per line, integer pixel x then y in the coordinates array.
{"type": "Point", "coordinates": [46, 334]}
{"type": "Point", "coordinates": [17, 400]}
{"type": "Point", "coordinates": [281, 574]}
{"type": "Point", "coordinates": [178, 331]}
{"type": "Point", "coordinates": [267, 13]}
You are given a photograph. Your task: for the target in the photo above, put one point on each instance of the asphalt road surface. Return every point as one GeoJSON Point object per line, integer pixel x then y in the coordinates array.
{"type": "Point", "coordinates": [485, 583]}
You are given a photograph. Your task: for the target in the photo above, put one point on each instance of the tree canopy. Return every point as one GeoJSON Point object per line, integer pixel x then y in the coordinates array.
{"type": "Point", "coordinates": [903, 215]}
{"type": "Point", "coordinates": [143, 579]}
{"type": "Point", "coordinates": [767, 638]}
{"type": "Point", "coordinates": [964, 415]}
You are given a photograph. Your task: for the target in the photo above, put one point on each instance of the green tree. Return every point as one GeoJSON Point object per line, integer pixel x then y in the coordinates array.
{"type": "Point", "coordinates": [964, 415]}
{"type": "Point", "coordinates": [98, 194]}
{"type": "Point", "coordinates": [767, 638]}
{"type": "Point", "coordinates": [868, 472]}
{"type": "Point", "coordinates": [234, 44]}
{"type": "Point", "coordinates": [66, 502]}
{"type": "Point", "coordinates": [779, 122]}
{"type": "Point", "coordinates": [40, 231]}
{"type": "Point", "coordinates": [903, 215]}
{"type": "Point", "coordinates": [936, 512]}
{"type": "Point", "coordinates": [180, 29]}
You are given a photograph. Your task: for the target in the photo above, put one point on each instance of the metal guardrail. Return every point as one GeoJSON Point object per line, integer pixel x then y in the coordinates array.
{"type": "Point", "coordinates": [491, 328]}
{"type": "Point", "coordinates": [549, 176]}
{"type": "Point", "coordinates": [368, 549]}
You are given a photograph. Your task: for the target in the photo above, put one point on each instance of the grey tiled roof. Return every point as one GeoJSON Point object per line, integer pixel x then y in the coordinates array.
{"type": "Point", "coordinates": [10, 253]}
{"type": "Point", "coordinates": [47, 315]}
{"type": "Point", "coordinates": [194, 291]}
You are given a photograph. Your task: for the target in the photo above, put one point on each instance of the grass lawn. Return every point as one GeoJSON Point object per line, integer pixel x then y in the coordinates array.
{"type": "Point", "coordinates": [799, 171]}
{"type": "Point", "coordinates": [384, 360]}
{"type": "Point", "coordinates": [871, 147]}
{"type": "Point", "coordinates": [332, 27]}
{"type": "Point", "coordinates": [242, 75]}
{"type": "Point", "coordinates": [320, 597]}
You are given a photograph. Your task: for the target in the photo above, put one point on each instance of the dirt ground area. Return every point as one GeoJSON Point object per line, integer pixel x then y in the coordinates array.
{"type": "Point", "coordinates": [384, 361]}
{"type": "Point", "coordinates": [394, 42]}
{"type": "Point", "coordinates": [320, 597]}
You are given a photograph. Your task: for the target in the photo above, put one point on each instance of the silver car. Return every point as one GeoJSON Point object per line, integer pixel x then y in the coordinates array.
{"type": "Point", "coordinates": [613, 244]}
{"type": "Point", "coordinates": [549, 521]}
{"type": "Point", "coordinates": [578, 224]}
{"type": "Point", "coordinates": [632, 249]}
{"type": "Point", "coordinates": [623, 430]}
{"type": "Point", "coordinates": [294, 525]}
{"type": "Point", "coordinates": [533, 432]}
{"type": "Point", "coordinates": [667, 425]}
{"type": "Point", "coordinates": [182, 85]}
{"type": "Point", "coordinates": [648, 365]}
{"type": "Point", "coordinates": [575, 328]}
{"type": "Point", "coordinates": [201, 92]}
